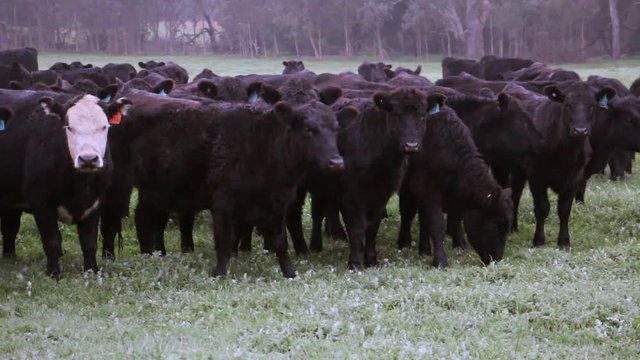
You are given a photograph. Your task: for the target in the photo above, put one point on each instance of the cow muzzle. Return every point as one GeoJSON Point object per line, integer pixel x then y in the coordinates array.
{"type": "Point", "coordinates": [336, 163]}
{"type": "Point", "coordinates": [411, 147]}
{"type": "Point", "coordinates": [88, 162]}
{"type": "Point", "coordinates": [580, 131]}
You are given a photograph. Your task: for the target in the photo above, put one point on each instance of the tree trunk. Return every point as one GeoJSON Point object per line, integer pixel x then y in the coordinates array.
{"type": "Point", "coordinates": [491, 34]}
{"type": "Point", "coordinates": [211, 32]}
{"type": "Point", "coordinates": [295, 42]}
{"type": "Point", "coordinates": [477, 14]}
{"type": "Point", "coordinates": [276, 48]}
{"type": "Point", "coordinates": [347, 41]}
{"type": "Point", "coordinates": [313, 43]}
{"type": "Point", "coordinates": [615, 29]}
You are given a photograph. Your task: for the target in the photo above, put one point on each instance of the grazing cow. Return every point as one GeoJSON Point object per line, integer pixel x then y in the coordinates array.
{"type": "Point", "coordinates": [28, 57]}
{"type": "Point", "coordinates": [402, 70]}
{"type": "Point", "coordinates": [375, 72]}
{"type": "Point", "coordinates": [14, 72]}
{"type": "Point", "coordinates": [97, 75]}
{"type": "Point", "coordinates": [449, 174]}
{"type": "Point", "coordinates": [124, 72]}
{"type": "Point", "coordinates": [565, 117]}
{"type": "Point", "coordinates": [66, 167]}
{"type": "Point", "coordinates": [170, 70]}
{"type": "Point", "coordinates": [47, 77]}
{"type": "Point", "coordinates": [453, 67]}
{"type": "Point", "coordinates": [539, 72]}
{"type": "Point", "coordinates": [292, 66]}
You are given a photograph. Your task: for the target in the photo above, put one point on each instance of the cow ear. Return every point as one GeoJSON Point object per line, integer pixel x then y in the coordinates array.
{"type": "Point", "coordinates": [14, 85]}
{"type": "Point", "coordinates": [554, 94]}
{"type": "Point", "coordinates": [330, 95]}
{"type": "Point", "coordinates": [300, 63]}
{"type": "Point", "coordinates": [164, 87]}
{"type": "Point", "coordinates": [284, 112]}
{"type": "Point", "coordinates": [88, 66]}
{"type": "Point", "coordinates": [418, 70]}
{"type": "Point", "coordinates": [285, 63]}
{"type": "Point", "coordinates": [253, 91]}
{"type": "Point", "coordinates": [435, 102]}
{"type": "Point", "coordinates": [50, 106]}
{"type": "Point", "coordinates": [208, 88]}
{"type": "Point", "coordinates": [382, 101]}
{"type": "Point", "coordinates": [5, 116]}
{"type": "Point", "coordinates": [503, 100]}
{"type": "Point", "coordinates": [346, 116]}
{"type": "Point", "coordinates": [269, 94]}
{"type": "Point", "coordinates": [117, 110]}
{"type": "Point", "coordinates": [161, 63]}
{"type": "Point", "coordinates": [142, 65]}
{"type": "Point", "coordinates": [106, 94]}
{"type": "Point", "coordinates": [605, 95]}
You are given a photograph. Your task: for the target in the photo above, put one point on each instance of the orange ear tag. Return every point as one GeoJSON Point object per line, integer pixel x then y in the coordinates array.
{"type": "Point", "coordinates": [116, 118]}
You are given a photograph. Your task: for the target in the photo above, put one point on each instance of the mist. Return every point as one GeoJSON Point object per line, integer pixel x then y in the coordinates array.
{"type": "Point", "coordinates": [547, 30]}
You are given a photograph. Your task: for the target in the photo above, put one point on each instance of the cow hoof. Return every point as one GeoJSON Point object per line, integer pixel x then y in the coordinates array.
{"type": "Point", "coordinates": [302, 252]}
{"type": "Point", "coordinates": [354, 266]}
{"type": "Point", "coordinates": [460, 247]}
{"type": "Point", "coordinates": [565, 247]}
{"type": "Point", "coordinates": [289, 274]}
{"type": "Point", "coordinates": [440, 265]}
{"type": "Point", "coordinates": [220, 273]}
{"type": "Point", "coordinates": [108, 256]}
{"type": "Point", "coordinates": [371, 262]}
{"type": "Point", "coordinates": [9, 255]}
{"type": "Point", "coordinates": [538, 242]}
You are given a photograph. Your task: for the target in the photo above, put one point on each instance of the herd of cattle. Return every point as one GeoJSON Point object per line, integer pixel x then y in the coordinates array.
{"type": "Point", "coordinates": [76, 139]}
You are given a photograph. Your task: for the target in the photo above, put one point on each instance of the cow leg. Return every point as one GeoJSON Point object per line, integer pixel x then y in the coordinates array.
{"type": "Point", "coordinates": [424, 241]}
{"type": "Point", "coordinates": [356, 225]}
{"type": "Point", "coordinates": [564, 211]}
{"type": "Point", "coordinates": [370, 254]}
{"type": "Point", "coordinates": [47, 223]}
{"type": "Point", "coordinates": [9, 226]}
{"type": "Point", "coordinates": [294, 222]}
{"type": "Point", "coordinates": [454, 229]}
{"type": "Point", "coordinates": [408, 209]}
{"type": "Point", "coordinates": [435, 227]}
{"type": "Point", "coordinates": [278, 237]}
{"type": "Point", "coordinates": [224, 235]}
{"type": "Point", "coordinates": [110, 225]}
{"type": "Point", "coordinates": [187, 218]}
{"type": "Point", "coordinates": [145, 226]}
{"type": "Point", "coordinates": [319, 208]}
{"type": "Point", "coordinates": [88, 234]}
{"type": "Point", "coordinates": [518, 181]}
{"type": "Point", "coordinates": [541, 210]}
{"type": "Point", "coordinates": [244, 233]}
{"type": "Point", "coordinates": [582, 187]}
{"type": "Point", "coordinates": [333, 226]}
{"type": "Point", "coordinates": [160, 225]}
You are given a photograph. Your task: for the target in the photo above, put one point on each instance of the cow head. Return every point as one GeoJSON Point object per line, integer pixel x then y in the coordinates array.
{"type": "Point", "coordinates": [292, 66]}
{"type": "Point", "coordinates": [488, 228]}
{"type": "Point", "coordinates": [407, 110]}
{"type": "Point", "coordinates": [312, 131]}
{"type": "Point", "coordinates": [579, 105]}
{"type": "Point", "coordinates": [375, 72]}
{"type": "Point", "coordinates": [86, 122]}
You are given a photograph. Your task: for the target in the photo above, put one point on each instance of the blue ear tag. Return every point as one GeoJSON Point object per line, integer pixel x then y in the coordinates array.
{"type": "Point", "coordinates": [107, 99]}
{"type": "Point", "coordinates": [435, 109]}
{"type": "Point", "coordinates": [162, 93]}
{"type": "Point", "coordinates": [604, 102]}
{"type": "Point", "coordinates": [1, 124]}
{"type": "Point", "coordinates": [253, 97]}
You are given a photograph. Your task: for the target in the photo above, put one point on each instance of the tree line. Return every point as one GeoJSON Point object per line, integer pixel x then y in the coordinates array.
{"type": "Point", "coordinates": [549, 30]}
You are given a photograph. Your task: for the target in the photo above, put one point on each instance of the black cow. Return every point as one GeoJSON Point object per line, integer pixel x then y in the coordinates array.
{"type": "Point", "coordinates": [95, 74]}
{"type": "Point", "coordinates": [28, 57]}
{"type": "Point", "coordinates": [565, 116]}
{"type": "Point", "coordinates": [47, 77]}
{"type": "Point", "coordinates": [64, 167]}
{"type": "Point", "coordinates": [635, 88]}
{"type": "Point", "coordinates": [258, 159]}
{"type": "Point", "coordinates": [205, 74]}
{"type": "Point", "coordinates": [170, 70]}
{"type": "Point", "coordinates": [453, 66]}
{"type": "Point", "coordinates": [123, 71]}
{"type": "Point", "coordinates": [450, 175]}
{"type": "Point", "coordinates": [493, 67]}
{"type": "Point", "coordinates": [14, 72]}
{"type": "Point", "coordinates": [375, 72]}
{"type": "Point", "coordinates": [539, 72]}
{"type": "Point", "coordinates": [292, 66]}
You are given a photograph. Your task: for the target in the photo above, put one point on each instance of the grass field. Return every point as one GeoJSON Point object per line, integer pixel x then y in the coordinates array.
{"type": "Point", "coordinates": [536, 303]}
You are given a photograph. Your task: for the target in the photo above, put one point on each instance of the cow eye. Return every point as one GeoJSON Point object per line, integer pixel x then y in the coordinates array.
{"type": "Point", "coordinates": [69, 129]}
{"type": "Point", "coordinates": [104, 128]}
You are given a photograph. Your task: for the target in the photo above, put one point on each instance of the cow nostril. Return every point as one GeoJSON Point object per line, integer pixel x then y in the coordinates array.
{"type": "Point", "coordinates": [411, 146]}
{"type": "Point", "coordinates": [581, 130]}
